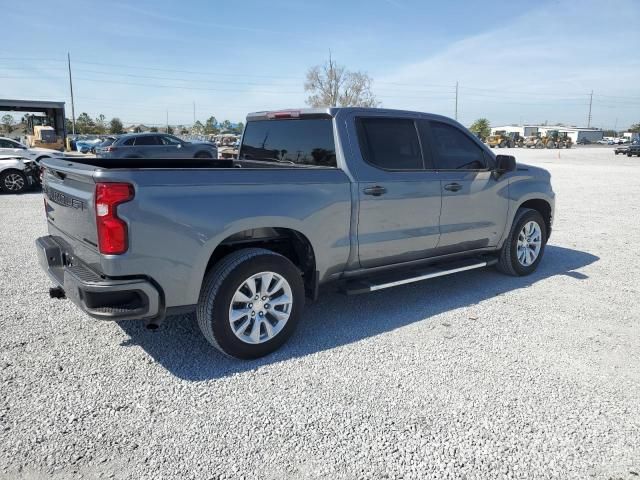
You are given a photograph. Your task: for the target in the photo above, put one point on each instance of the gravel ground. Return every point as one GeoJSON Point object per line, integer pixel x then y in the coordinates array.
{"type": "Point", "coordinates": [476, 375]}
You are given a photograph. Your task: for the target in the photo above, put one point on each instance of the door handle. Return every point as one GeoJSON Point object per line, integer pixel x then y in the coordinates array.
{"type": "Point", "coordinates": [375, 191]}
{"type": "Point", "coordinates": [453, 187]}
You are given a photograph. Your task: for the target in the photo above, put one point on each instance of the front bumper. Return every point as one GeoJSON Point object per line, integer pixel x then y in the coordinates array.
{"type": "Point", "coordinates": [100, 297]}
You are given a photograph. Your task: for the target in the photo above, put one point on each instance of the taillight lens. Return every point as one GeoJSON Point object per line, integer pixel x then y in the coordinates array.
{"type": "Point", "coordinates": [112, 231]}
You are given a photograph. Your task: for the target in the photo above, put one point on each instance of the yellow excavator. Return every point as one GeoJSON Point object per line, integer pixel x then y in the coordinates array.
{"type": "Point", "coordinates": [41, 134]}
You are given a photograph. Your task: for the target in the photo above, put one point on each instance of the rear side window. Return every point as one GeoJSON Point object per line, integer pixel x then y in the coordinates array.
{"type": "Point", "coordinates": [129, 141]}
{"type": "Point", "coordinates": [290, 142]}
{"type": "Point", "coordinates": [147, 140]}
{"type": "Point", "coordinates": [390, 143]}
{"type": "Point", "coordinates": [454, 150]}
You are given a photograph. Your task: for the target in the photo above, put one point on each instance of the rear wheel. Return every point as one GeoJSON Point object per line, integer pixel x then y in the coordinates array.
{"type": "Point", "coordinates": [250, 303]}
{"type": "Point", "coordinates": [13, 181]}
{"type": "Point", "coordinates": [524, 247]}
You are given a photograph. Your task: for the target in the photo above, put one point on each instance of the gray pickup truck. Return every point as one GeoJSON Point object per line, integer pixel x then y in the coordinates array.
{"type": "Point", "coordinates": [362, 199]}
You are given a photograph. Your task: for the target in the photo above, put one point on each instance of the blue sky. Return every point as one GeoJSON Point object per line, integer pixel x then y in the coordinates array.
{"type": "Point", "coordinates": [515, 61]}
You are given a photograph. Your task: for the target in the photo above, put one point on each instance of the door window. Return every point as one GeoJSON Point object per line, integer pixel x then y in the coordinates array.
{"type": "Point", "coordinates": [390, 143]}
{"type": "Point", "coordinates": [147, 140]}
{"type": "Point", "coordinates": [453, 149]}
{"type": "Point", "coordinates": [170, 141]}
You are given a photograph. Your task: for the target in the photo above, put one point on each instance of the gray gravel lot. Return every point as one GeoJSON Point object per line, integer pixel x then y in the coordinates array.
{"type": "Point", "coordinates": [476, 375]}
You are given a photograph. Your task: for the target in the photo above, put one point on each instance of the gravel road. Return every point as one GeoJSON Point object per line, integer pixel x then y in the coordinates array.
{"type": "Point", "coordinates": [476, 375]}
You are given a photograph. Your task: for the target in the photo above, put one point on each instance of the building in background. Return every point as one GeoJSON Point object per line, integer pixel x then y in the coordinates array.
{"type": "Point", "coordinates": [575, 133]}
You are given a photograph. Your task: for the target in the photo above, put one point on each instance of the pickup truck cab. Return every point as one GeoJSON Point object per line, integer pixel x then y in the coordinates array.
{"type": "Point", "coordinates": [363, 199]}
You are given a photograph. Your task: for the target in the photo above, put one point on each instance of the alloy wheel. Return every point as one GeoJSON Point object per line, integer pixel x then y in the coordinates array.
{"type": "Point", "coordinates": [260, 307]}
{"type": "Point", "coordinates": [14, 182]}
{"type": "Point", "coordinates": [529, 243]}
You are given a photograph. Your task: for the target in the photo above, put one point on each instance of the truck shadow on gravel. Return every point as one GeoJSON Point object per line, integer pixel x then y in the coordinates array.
{"type": "Point", "coordinates": [336, 320]}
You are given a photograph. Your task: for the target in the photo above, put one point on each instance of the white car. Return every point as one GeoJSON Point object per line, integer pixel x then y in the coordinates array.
{"type": "Point", "coordinates": [17, 173]}
{"type": "Point", "coordinates": [9, 147]}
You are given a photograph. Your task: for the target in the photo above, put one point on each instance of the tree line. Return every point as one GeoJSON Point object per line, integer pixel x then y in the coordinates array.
{"type": "Point", "coordinates": [85, 125]}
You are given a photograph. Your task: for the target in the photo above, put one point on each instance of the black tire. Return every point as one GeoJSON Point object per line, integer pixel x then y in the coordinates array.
{"type": "Point", "coordinates": [13, 181]}
{"type": "Point", "coordinates": [203, 155]}
{"type": "Point", "coordinates": [219, 287]}
{"type": "Point", "coordinates": [508, 257]}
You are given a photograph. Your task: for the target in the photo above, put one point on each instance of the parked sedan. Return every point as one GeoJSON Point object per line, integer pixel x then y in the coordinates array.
{"type": "Point", "coordinates": [9, 147]}
{"type": "Point", "coordinates": [104, 143]}
{"type": "Point", "coordinates": [156, 145]}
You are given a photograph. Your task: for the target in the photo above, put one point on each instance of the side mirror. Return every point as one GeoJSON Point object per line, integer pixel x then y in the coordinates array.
{"type": "Point", "coordinates": [505, 163]}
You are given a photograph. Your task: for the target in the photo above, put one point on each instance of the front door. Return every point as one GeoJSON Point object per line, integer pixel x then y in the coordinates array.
{"type": "Point", "coordinates": [474, 199]}
{"type": "Point", "coordinates": [172, 147]}
{"type": "Point", "coordinates": [399, 199]}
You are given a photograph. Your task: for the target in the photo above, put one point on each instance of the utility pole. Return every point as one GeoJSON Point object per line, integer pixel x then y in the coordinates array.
{"type": "Point", "coordinates": [590, 103]}
{"type": "Point", "coordinates": [73, 108]}
{"type": "Point", "coordinates": [456, 116]}
{"type": "Point", "coordinates": [167, 121]}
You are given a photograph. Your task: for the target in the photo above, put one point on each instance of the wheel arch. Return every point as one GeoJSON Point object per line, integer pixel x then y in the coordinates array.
{"type": "Point", "coordinates": [289, 242]}
{"type": "Point", "coordinates": [541, 206]}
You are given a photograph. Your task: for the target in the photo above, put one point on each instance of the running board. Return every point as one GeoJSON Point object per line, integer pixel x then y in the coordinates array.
{"type": "Point", "coordinates": [373, 284]}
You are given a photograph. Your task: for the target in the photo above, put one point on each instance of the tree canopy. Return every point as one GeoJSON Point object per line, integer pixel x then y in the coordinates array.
{"type": "Point", "coordinates": [332, 85]}
{"type": "Point", "coordinates": [481, 127]}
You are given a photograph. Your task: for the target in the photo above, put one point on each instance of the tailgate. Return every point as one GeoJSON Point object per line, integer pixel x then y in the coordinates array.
{"type": "Point", "coordinates": [69, 190]}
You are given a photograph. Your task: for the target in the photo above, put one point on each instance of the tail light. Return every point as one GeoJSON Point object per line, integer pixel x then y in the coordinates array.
{"type": "Point", "coordinates": [108, 149]}
{"type": "Point", "coordinates": [112, 231]}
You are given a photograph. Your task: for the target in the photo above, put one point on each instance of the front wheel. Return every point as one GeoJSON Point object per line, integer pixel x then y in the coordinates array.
{"type": "Point", "coordinates": [250, 303]}
{"type": "Point", "coordinates": [524, 247]}
{"type": "Point", "coordinates": [13, 181]}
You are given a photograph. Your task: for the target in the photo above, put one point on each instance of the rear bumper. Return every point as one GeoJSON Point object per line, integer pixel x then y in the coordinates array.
{"type": "Point", "coordinates": [100, 297]}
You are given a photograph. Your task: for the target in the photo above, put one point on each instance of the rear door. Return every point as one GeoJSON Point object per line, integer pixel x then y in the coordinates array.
{"type": "Point", "coordinates": [398, 191]}
{"type": "Point", "coordinates": [474, 199]}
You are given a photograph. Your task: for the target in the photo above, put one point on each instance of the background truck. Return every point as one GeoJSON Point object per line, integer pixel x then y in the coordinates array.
{"type": "Point", "coordinates": [362, 199]}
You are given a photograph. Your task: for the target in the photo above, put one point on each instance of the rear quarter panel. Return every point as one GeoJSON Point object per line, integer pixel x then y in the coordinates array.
{"type": "Point", "coordinates": [179, 217]}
